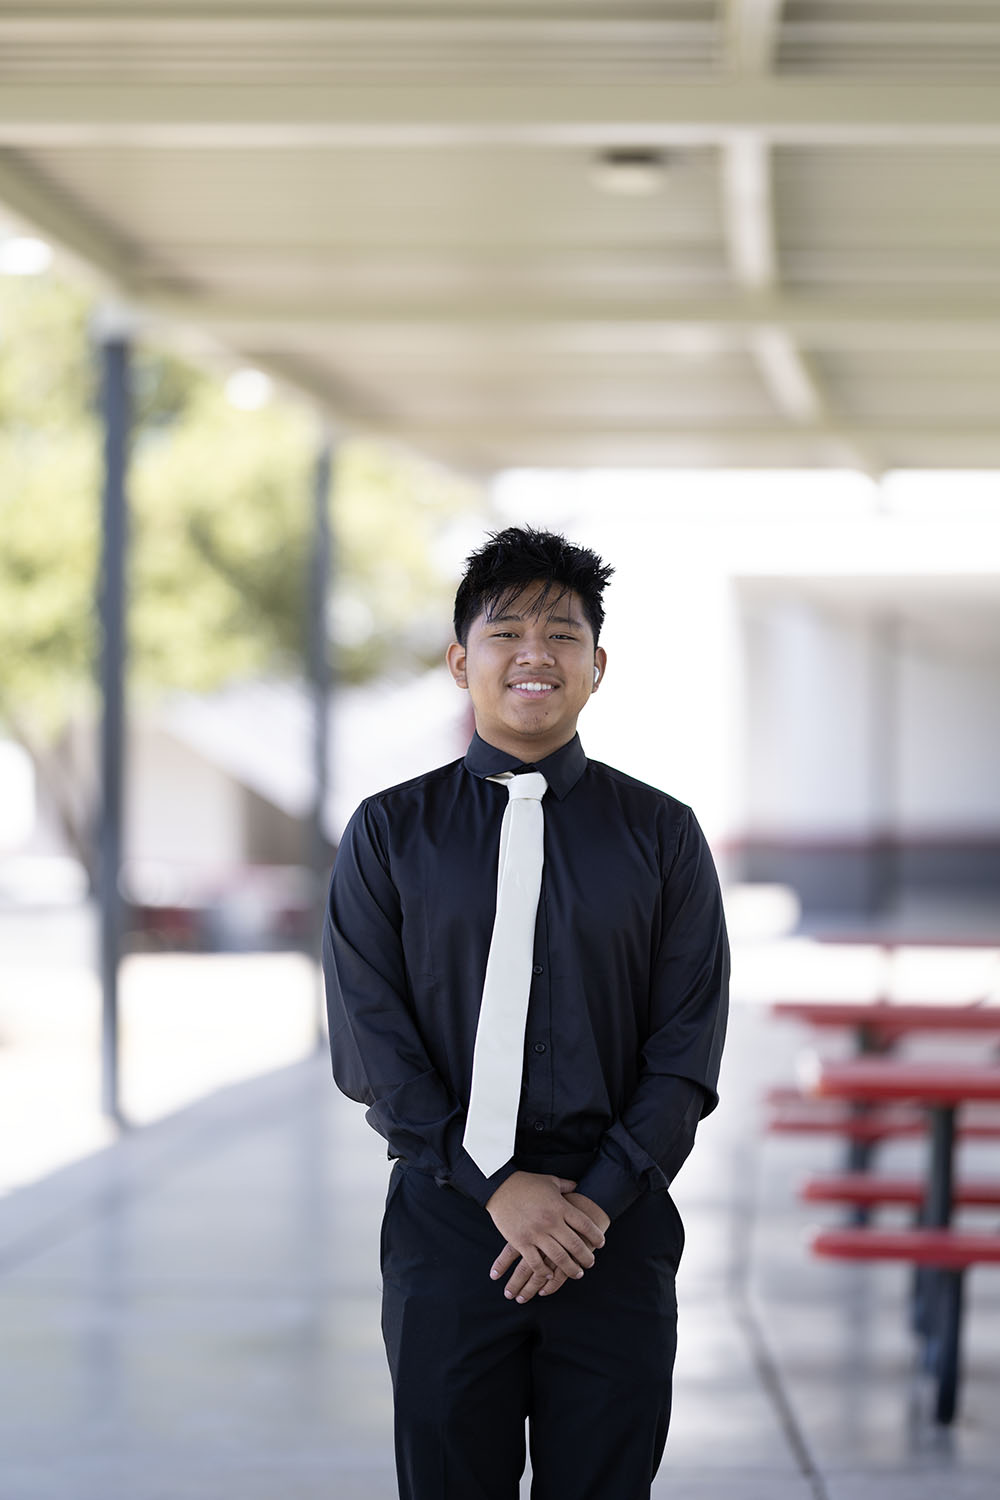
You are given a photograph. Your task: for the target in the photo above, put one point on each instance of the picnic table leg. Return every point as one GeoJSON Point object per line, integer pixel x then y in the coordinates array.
{"type": "Point", "coordinates": [861, 1153]}
{"type": "Point", "coordinates": [942, 1167]}
{"type": "Point", "coordinates": [921, 1293]}
{"type": "Point", "coordinates": [949, 1337]}
{"type": "Point", "coordinates": [935, 1213]}
{"type": "Point", "coordinates": [859, 1159]}
{"type": "Point", "coordinates": [939, 1292]}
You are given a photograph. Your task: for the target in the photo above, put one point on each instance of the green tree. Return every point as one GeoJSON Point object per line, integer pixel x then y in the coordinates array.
{"type": "Point", "coordinates": [220, 526]}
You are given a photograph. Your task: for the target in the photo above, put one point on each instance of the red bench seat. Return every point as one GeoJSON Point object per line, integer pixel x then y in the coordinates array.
{"type": "Point", "coordinates": [790, 1112]}
{"type": "Point", "coordinates": [868, 1190]}
{"type": "Point", "coordinates": [944, 1249]}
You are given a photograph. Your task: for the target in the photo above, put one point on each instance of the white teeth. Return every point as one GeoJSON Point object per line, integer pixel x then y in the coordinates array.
{"type": "Point", "coordinates": [535, 687]}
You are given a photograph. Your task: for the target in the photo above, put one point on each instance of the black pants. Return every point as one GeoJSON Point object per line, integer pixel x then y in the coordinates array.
{"type": "Point", "coordinates": [590, 1367]}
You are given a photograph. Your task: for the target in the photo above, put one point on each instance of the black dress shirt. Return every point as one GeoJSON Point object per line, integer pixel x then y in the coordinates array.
{"type": "Point", "coordinates": [627, 1012]}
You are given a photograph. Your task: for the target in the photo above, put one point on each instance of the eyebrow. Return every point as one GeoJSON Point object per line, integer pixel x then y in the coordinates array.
{"type": "Point", "coordinates": [550, 620]}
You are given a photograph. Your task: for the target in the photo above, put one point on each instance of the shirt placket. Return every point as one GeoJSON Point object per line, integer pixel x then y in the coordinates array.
{"type": "Point", "coordinates": [535, 1115]}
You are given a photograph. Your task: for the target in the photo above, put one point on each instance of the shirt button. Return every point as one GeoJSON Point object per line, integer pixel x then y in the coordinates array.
{"type": "Point", "coordinates": [536, 969]}
{"type": "Point", "coordinates": [539, 1125]}
{"type": "Point", "coordinates": [539, 1046]}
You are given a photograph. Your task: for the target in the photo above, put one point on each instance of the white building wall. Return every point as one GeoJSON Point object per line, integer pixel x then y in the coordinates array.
{"type": "Point", "coordinates": [949, 773]}
{"type": "Point", "coordinates": [840, 717]}
{"type": "Point", "coordinates": [809, 721]}
{"type": "Point", "coordinates": [180, 810]}
{"type": "Point", "coordinates": [852, 728]}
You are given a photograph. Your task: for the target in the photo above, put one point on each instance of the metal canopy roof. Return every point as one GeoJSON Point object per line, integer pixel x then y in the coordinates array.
{"type": "Point", "coordinates": [395, 206]}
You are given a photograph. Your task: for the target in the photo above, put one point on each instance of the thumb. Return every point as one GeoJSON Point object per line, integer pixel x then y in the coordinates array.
{"type": "Point", "coordinates": [564, 1184]}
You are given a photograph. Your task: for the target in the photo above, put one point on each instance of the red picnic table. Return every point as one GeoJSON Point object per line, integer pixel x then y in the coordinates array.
{"type": "Point", "coordinates": [941, 1088]}
{"type": "Point", "coordinates": [877, 1026]}
{"type": "Point", "coordinates": [879, 1023]}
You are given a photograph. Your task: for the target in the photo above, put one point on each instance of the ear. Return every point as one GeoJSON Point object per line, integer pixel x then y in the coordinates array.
{"type": "Point", "coordinates": [600, 666]}
{"type": "Point", "coordinates": [455, 657]}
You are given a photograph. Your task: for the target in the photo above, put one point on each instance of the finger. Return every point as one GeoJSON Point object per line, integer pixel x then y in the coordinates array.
{"type": "Point", "coordinates": [565, 1185]}
{"type": "Point", "coordinates": [528, 1266]}
{"type": "Point", "coordinates": [575, 1247]}
{"type": "Point", "coordinates": [507, 1257]}
{"type": "Point", "coordinates": [555, 1281]}
{"type": "Point", "coordinates": [561, 1259]}
{"type": "Point", "coordinates": [585, 1227]}
{"type": "Point", "coordinates": [519, 1278]}
{"type": "Point", "coordinates": [534, 1284]}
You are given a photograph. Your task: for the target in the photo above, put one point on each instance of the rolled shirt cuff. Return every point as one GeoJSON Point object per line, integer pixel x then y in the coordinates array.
{"type": "Point", "coordinates": [609, 1187]}
{"type": "Point", "coordinates": [468, 1179]}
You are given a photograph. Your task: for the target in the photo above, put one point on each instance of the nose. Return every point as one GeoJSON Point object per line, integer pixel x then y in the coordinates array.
{"type": "Point", "coordinates": [535, 647]}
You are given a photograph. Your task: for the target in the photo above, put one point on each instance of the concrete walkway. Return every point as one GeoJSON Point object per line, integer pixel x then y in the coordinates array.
{"type": "Point", "coordinates": [192, 1314]}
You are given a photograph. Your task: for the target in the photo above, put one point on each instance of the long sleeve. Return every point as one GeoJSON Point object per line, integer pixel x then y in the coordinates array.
{"type": "Point", "coordinates": [379, 1057]}
{"type": "Point", "coordinates": [643, 1149]}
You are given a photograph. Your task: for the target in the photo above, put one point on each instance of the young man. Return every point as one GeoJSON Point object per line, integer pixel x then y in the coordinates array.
{"type": "Point", "coordinates": [537, 1051]}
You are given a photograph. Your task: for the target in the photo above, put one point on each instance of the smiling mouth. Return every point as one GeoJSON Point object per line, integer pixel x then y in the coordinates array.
{"type": "Point", "coordinates": [534, 690]}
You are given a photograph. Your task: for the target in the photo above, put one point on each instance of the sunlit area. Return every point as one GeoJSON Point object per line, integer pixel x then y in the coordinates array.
{"type": "Point", "coordinates": [298, 307]}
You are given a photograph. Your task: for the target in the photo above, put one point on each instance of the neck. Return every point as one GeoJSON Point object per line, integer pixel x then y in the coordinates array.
{"type": "Point", "coordinates": [527, 754]}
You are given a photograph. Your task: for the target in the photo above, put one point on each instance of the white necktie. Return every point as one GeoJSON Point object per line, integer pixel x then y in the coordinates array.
{"type": "Point", "coordinates": [498, 1060]}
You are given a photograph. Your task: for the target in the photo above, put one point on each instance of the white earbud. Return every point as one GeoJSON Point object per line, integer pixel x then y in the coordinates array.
{"type": "Point", "coordinates": [597, 673]}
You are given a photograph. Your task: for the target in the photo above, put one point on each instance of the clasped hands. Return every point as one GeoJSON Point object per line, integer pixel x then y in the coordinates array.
{"type": "Point", "coordinates": [551, 1233]}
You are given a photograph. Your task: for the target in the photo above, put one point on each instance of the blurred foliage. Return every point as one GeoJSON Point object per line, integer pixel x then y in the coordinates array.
{"type": "Point", "coordinates": [221, 517]}
{"type": "Point", "coordinates": [49, 486]}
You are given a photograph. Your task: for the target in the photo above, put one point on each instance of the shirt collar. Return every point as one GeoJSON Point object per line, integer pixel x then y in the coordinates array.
{"type": "Point", "coordinates": [562, 769]}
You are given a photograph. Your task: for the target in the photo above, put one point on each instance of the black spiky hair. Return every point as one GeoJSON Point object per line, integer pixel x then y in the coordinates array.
{"type": "Point", "coordinates": [519, 556]}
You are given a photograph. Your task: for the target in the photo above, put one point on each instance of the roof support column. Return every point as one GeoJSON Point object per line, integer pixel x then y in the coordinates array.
{"type": "Point", "coordinates": [319, 673]}
{"type": "Point", "coordinates": [112, 336]}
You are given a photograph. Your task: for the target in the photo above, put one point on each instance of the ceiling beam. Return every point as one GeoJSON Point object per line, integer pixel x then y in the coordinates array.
{"type": "Point", "coordinates": [908, 445]}
{"type": "Point", "coordinates": [868, 316]}
{"type": "Point", "coordinates": [933, 431]}
{"type": "Point", "coordinates": [789, 380]}
{"type": "Point", "coordinates": [285, 24]}
{"type": "Point", "coordinates": [753, 255]}
{"type": "Point", "coordinates": [43, 209]}
{"type": "Point", "coordinates": [748, 210]}
{"type": "Point", "coordinates": [751, 231]}
{"type": "Point", "coordinates": [785, 110]}
{"type": "Point", "coordinates": [752, 29]}
{"type": "Point", "coordinates": [751, 235]}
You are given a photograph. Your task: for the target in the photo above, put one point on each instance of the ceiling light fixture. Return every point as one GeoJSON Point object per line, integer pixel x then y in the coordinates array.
{"type": "Point", "coordinates": [631, 172]}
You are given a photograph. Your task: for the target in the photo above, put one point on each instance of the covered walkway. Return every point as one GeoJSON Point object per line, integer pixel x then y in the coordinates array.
{"type": "Point", "coordinates": [193, 1312]}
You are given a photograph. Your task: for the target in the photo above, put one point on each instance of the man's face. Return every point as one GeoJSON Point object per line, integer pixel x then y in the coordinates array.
{"type": "Point", "coordinates": [529, 672]}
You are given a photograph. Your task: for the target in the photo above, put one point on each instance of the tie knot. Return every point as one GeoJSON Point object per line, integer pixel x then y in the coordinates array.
{"type": "Point", "coordinates": [531, 784]}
